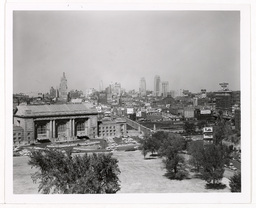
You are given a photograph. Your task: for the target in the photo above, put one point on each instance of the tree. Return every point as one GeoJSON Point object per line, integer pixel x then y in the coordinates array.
{"type": "Point", "coordinates": [189, 127]}
{"type": "Point", "coordinates": [60, 172]}
{"type": "Point", "coordinates": [143, 148]}
{"type": "Point", "coordinates": [235, 182]}
{"type": "Point", "coordinates": [213, 164]}
{"type": "Point", "coordinates": [173, 161]}
{"type": "Point", "coordinates": [222, 130]}
{"type": "Point", "coordinates": [196, 149]}
{"type": "Point", "coordinates": [152, 143]}
{"type": "Point", "coordinates": [201, 124]}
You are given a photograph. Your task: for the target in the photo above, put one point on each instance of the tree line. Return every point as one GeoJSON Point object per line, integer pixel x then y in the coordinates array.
{"type": "Point", "coordinates": [209, 160]}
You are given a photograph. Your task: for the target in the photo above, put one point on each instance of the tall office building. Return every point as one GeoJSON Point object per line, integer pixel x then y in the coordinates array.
{"type": "Point", "coordinates": [63, 89]}
{"type": "Point", "coordinates": [157, 86]}
{"type": "Point", "coordinates": [142, 87]}
{"type": "Point", "coordinates": [53, 92]}
{"type": "Point", "coordinates": [224, 99]}
{"type": "Point", "coordinates": [117, 89]}
{"type": "Point", "coordinates": [101, 86]}
{"type": "Point", "coordinates": [165, 88]}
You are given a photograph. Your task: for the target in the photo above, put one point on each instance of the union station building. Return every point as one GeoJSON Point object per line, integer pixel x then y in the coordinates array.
{"type": "Point", "coordinates": [63, 122]}
{"type": "Point", "coordinates": [56, 122]}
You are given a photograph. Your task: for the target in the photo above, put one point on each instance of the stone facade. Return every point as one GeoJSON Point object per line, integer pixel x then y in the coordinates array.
{"type": "Point", "coordinates": [109, 128]}
{"type": "Point", "coordinates": [18, 136]}
{"type": "Point", "coordinates": [64, 122]}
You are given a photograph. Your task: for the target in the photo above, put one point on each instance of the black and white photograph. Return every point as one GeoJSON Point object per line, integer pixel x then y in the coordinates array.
{"type": "Point", "coordinates": [119, 102]}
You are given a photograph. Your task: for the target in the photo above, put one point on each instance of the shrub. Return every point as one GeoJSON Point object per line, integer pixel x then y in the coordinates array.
{"type": "Point", "coordinates": [235, 182]}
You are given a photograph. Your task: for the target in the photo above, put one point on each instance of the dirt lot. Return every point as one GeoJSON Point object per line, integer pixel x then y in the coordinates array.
{"type": "Point", "coordinates": [137, 176]}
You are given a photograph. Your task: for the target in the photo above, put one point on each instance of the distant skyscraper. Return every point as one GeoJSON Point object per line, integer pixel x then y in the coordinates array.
{"type": "Point", "coordinates": [142, 87]}
{"type": "Point", "coordinates": [157, 83]}
{"type": "Point", "coordinates": [53, 92]}
{"type": "Point", "coordinates": [117, 89]}
{"type": "Point", "coordinates": [173, 93]}
{"type": "Point", "coordinates": [63, 89]}
{"type": "Point", "coordinates": [165, 88]}
{"type": "Point", "coordinates": [101, 86]}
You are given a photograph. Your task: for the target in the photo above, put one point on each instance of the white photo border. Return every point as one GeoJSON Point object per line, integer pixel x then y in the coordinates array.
{"type": "Point", "coordinates": [184, 198]}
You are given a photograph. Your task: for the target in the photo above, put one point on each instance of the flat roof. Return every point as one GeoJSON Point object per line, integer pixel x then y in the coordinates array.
{"type": "Point", "coordinates": [53, 110]}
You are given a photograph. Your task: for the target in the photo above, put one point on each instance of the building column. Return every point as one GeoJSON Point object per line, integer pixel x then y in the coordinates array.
{"type": "Point", "coordinates": [53, 129]}
{"type": "Point", "coordinates": [35, 131]}
{"type": "Point", "coordinates": [125, 129]}
{"type": "Point", "coordinates": [73, 127]}
{"type": "Point", "coordinates": [89, 126]}
{"type": "Point", "coordinates": [70, 128]}
{"type": "Point", "coordinates": [50, 129]}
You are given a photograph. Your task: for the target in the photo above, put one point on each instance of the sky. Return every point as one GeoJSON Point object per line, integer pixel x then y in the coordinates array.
{"type": "Point", "coordinates": [191, 50]}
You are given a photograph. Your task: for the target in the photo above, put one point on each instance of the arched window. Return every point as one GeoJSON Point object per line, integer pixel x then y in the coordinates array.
{"type": "Point", "coordinates": [41, 129]}
{"type": "Point", "coordinates": [80, 126]}
{"type": "Point", "coordinates": [62, 127]}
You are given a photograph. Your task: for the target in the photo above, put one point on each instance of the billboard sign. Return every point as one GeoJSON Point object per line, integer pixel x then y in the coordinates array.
{"type": "Point", "coordinates": [130, 111]}
{"type": "Point", "coordinates": [205, 112]}
{"type": "Point", "coordinates": [208, 129]}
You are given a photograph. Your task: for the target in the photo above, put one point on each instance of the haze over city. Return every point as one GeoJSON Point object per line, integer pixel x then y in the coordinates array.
{"type": "Point", "coordinates": [192, 50]}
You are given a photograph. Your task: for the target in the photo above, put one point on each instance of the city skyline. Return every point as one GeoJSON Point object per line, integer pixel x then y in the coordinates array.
{"type": "Point", "coordinates": [183, 48]}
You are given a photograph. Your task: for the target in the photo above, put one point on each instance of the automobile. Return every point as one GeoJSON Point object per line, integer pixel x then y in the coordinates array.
{"type": "Point", "coordinates": [234, 168]}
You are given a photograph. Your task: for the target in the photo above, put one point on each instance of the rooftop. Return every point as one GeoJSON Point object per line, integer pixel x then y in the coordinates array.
{"type": "Point", "coordinates": [51, 110]}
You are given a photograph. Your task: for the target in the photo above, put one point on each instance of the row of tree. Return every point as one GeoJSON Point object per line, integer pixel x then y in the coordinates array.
{"type": "Point", "coordinates": [208, 160]}
{"type": "Point", "coordinates": [167, 146]}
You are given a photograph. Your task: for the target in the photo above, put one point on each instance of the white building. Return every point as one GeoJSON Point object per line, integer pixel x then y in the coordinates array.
{"type": "Point", "coordinates": [142, 89]}
{"type": "Point", "coordinates": [165, 88]}
{"type": "Point", "coordinates": [157, 85]}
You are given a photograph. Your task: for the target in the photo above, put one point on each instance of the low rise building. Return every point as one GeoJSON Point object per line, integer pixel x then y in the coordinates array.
{"type": "Point", "coordinates": [110, 128]}
{"type": "Point", "coordinates": [208, 135]}
{"type": "Point", "coordinates": [189, 113]}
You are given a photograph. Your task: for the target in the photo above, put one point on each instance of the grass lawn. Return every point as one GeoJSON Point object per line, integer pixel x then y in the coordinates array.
{"type": "Point", "coordinates": [137, 176]}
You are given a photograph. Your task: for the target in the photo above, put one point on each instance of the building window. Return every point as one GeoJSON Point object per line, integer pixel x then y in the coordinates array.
{"type": "Point", "coordinates": [80, 127]}
{"type": "Point", "coordinates": [28, 133]}
{"type": "Point", "coordinates": [41, 129]}
{"type": "Point", "coordinates": [14, 134]}
{"type": "Point", "coordinates": [62, 128]}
